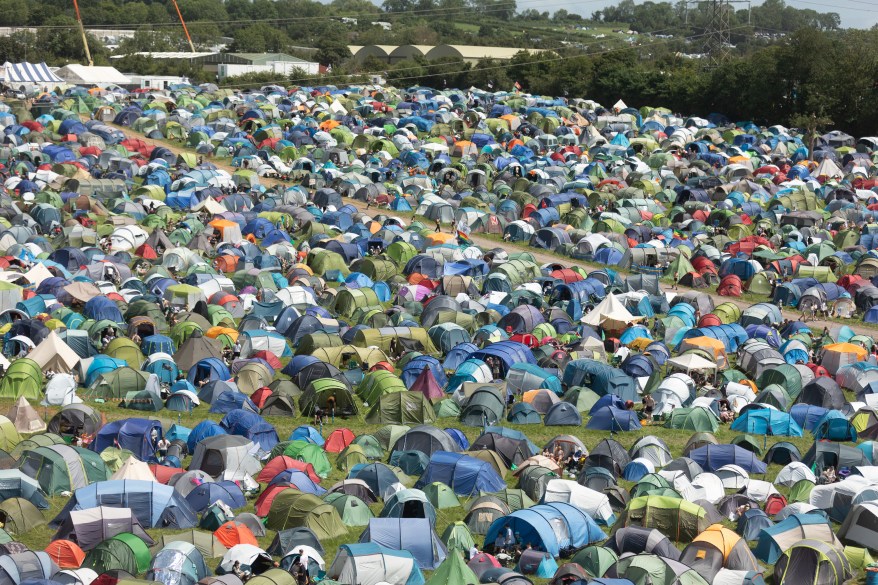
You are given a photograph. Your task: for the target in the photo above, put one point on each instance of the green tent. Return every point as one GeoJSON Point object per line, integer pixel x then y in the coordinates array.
{"type": "Point", "coordinates": [9, 436]}
{"type": "Point", "coordinates": [116, 384]}
{"type": "Point", "coordinates": [318, 392]}
{"type": "Point", "coordinates": [321, 261]}
{"type": "Point", "coordinates": [784, 375]}
{"type": "Point", "coordinates": [20, 515]}
{"type": "Point", "coordinates": [377, 383]}
{"type": "Point", "coordinates": [453, 570]}
{"type": "Point", "coordinates": [595, 559]}
{"type": "Point", "coordinates": [447, 408]}
{"type": "Point", "coordinates": [62, 468]}
{"type": "Point", "coordinates": [292, 508]}
{"type": "Point", "coordinates": [351, 455]}
{"type": "Point", "coordinates": [143, 400]}
{"type": "Point", "coordinates": [348, 300]}
{"type": "Point", "coordinates": [694, 418]}
{"type": "Point", "coordinates": [125, 552]}
{"type": "Point", "coordinates": [441, 495]}
{"type": "Point", "coordinates": [457, 537]}
{"type": "Point", "coordinates": [384, 337]}
{"type": "Point", "coordinates": [680, 520]}
{"type": "Point", "coordinates": [352, 510]}
{"type": "Point", "coordinates": [649, 569]}
{"type": "Point", "coordinates": [401, 408]}
{"type": "Point", "coordinates": [370, 446]}
{"type": "Point", "coordinates": [23, 378]}
{"type": "Point", "coordinates": [388, 435]}
{"type": "Point", "coordinates": [515, 498]}
{"type": "Point", "coordinates": [273, 577]}
{"type": "Point", "coordinates": [801, 491]}
{"type": "Point", "coordinates": [309, 453]}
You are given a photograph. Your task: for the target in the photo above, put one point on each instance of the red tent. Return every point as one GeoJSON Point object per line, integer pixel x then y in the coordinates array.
{"type": "Point", "coordinates": [709, 320]}
{"type": "Point", "coordinates": [268, 357]}
{"type": "Point", "coordinates": [338, 440]}
{"type": "Point", "coordinates": [730, 286]}
{"type": "Point", "coordinates": [263, 502]}
{"type": "Point", "coordinates": [260, 396]}
{"type": "Point", "coordinates": [427, 385]}
{"type": "Point", "coordinates": [162, 473]}
{"type": "Point", "coordinates": [66, 554]}
{"type": "Point", "coordinates": [282, 462]}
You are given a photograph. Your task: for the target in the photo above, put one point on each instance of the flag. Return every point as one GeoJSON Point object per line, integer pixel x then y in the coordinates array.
{"type": "Point", "coordinates": [517, 86]}
{"type": "Point", "coordinates": [463, 238]}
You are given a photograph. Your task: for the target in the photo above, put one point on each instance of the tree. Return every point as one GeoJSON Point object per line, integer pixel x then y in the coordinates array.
{"type": "Point", "coordinates": [14, 12]}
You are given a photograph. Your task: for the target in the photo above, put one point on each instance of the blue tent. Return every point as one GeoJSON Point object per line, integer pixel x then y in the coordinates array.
{"type": "Point", "coordinates": [768, 549]}
{"type": "Point", "coordinates": [807, 415]}
{"type": "Point", "coordinates": [230, 400]}
{"type": "Point", "coordinates": [536, 525]}
{"type": "Point", "coordinates": [208, 369]}
{"type": "Point", "coordinates": [100, 308]}
{"type": "Point", "coordinates": [458, 355]}
{"type": "Point", "coordinates": [767, 421]}
{"type": "Point", "coordinates": [601, 378]}
{"type": "Point", "coordinates": [508, 352]}
{"type": "Point", "coordinates": [458, 437]}
{"type": "Point", "coordinates": [834, 426]}
{"type": "Point", "coordinates": [464, 474]}
{"type": "Point", "coordinates": [155, 505]}
{"type": "Point", "coordinates": [731, 335]}
{"type": "Point", "coordinates": [209, 492]}
{"type": "Point", "coordinates": [544, 567]}
{"type": "Point", "coordinates": [133, 434]}
{"type": "Point", "coordinates": [307, 433]}
{"type": "Point", "coordinates": [203, 430]}
{"type": "Point", "coordinates": [413, 368]}
{"type": "Point", "coordinates": [752, 522]}
{"type": "Point", "coordinates": [249, 424]}
{"type": "Point", "coordinates": [415, 535]}
{"type": "Point", "coordinates": [712, 457]}
{"type": "Point", "coordinates": [157, 344]}
{"type": "Point", "coordinates": [299, 480]}
{"type": "Point", "coordinates": [613, 419]}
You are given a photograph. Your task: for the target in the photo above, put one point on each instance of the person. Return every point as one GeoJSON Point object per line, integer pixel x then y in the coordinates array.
{"type": "Point", "coordinates": [300, 572]}
{"type": "Point", "coordinates": [648, 407]}
{"type": "Point", "coordinates": [236, 350]}
{"type": "Point", "coordinates": [318, 416]}
{"type": "Point", "coordinates": [504, 558]}
{"type": "Point", "coordinates": [510, 538]}
{"type": "Point", "coordinates": [162, 448]}
{"type": "Point", "coordinates": [330, 406]}
{"type": "Point", "coordinates": [236, 569]}
{"type": "Point", "coordinates": [473, 552]}
{"type": "Point", "coordinates": [438, 226]}
{"type": "Point", "coordinates": [136, 338]}
{"type": "Point", "coordinates": [154, 438]}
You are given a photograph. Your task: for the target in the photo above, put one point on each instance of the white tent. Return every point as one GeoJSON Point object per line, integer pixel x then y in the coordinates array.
{"type": "Point", "coordinates": [133, 468]}
{"type": "Point", "coordinates": [61, 391]}
{"type": "Point", "coordinates": [691, 362]}
{"type": "Point", "coordinates": [371, 564]}
{"type": "Point", "coordinates": [10, 295]}
{"type": "Point", "coordinates": [54, 354]}
{"type": "Point", "coordinates": [594, 503]}
{"type": "Point", "coordinates": [793, 473]}
{"type": "Point", "coordinates": [25, 418]}
{"type": "Point", "coordinates": [610, 313]}
{"type": "Point", "coordinates": [24, 72]}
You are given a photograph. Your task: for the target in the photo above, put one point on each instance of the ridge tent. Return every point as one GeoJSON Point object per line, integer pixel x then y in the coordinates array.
{"type": "Point", "coordinates": [415, 535]}
{"type": "Point", "coordinates": [371, 564]}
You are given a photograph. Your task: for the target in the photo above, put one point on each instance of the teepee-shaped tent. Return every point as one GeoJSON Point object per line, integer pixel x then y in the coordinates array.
{"type": "Point", "coordinates": [25, 418]}
{"type": "Point", "coordinates": [133, 468]}
{"type": "Point", "coordinates": [54, 354]}
{"type": "Point", "coordinates": [427, 385]}
{"type": "Point", "coordinates": [453, 570]}
{"type": "Point", "coordinates": [610, 314]}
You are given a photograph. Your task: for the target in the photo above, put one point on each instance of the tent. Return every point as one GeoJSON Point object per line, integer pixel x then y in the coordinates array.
{"type": "Point", "coordinates": [549, 527]}
{"type": "Point", "coordinates": [812, 562]}
{"type": "Point", "coordinates": [680, 519]}
{"type": "Point", "coordinates": [774, 540]}
{"type": "Point", "coordinates": [371, 564]}
{"type": "Point", "coordinates": [60, 468]}
{"type": "Point", "coordinates": [464, 474]}
{"type": "Point", "coordinates": [90, 527]}
{"type": "Point", "coordinates": [415, 535]}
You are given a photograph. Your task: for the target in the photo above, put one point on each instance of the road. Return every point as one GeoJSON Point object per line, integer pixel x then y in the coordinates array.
{"type": "Point", "coordinates": [541, 256]}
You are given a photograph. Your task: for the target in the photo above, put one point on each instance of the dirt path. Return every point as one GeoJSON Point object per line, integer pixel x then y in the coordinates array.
{"type": "Point", "coordinates": [542, 257]}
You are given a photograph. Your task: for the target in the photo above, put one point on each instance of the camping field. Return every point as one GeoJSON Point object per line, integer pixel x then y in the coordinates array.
{"type": "Point", "coordinates": [38, 539]}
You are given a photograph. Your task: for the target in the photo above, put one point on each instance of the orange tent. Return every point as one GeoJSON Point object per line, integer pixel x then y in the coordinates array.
{"type": "Point", "coordinates": [66, 554]}
{"type": "Point", "coordinates": [712, 346]}
{"type": "Point", "coordinates": [438, 239]}
{"type": "Point", "coordinates": [232, 533]}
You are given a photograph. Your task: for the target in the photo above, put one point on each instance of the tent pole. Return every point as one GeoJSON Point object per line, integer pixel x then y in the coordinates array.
{"type": "Point", "coordinates": [82, 31]}
{"type": "Point", "coordinates": [183, 22]}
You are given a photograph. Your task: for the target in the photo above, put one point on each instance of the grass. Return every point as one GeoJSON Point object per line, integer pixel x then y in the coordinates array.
{"type": "Point", "coordinates": [39, 538]}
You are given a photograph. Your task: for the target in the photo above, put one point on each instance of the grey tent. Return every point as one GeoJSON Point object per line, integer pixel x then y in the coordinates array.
{"type": "Point", "coordinates": [563, 414]}
{"type": "Point", "coordinates": [92, 526]}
